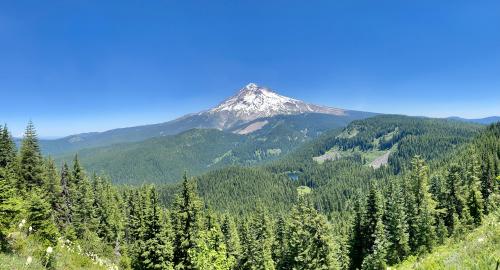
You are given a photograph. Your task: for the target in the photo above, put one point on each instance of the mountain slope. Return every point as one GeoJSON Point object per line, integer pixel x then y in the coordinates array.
{"type": "Point", "coordinates": [480, 249]}
{"type": "Point", "coordinates": [250, 103]}
{"type": "Point", "coordinates": [164, 159]}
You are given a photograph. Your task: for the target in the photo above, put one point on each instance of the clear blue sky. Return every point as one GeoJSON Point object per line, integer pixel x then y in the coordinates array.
{"type": "Point", "coordinates": [75, 66]}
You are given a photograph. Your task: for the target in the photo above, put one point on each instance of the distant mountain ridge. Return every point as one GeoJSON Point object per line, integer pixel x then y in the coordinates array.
{"type": "Point", "coordinates": [248, 104]}
{"type": "Point", "coordinates": [483, 121]}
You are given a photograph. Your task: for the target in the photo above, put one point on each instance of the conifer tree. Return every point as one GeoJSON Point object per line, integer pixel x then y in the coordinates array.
{"type": "Point", "coordinates": [41, 219]}
{"type": "Point", "coordinates": [7, 147]}
{"type": "Point", "coordinates": [373, 213]}
{"type": "Point", "coordinates": [453, 201]}
{"type": "Point", "coordinates": [64, 214]}
{"type": "Point", "coordinates": [376, 260]}
{"type": "Point", "coordinates": [83, 213]}
{"type": "Point", "coordinates": [210, 252]}
{"type": "Point", "coordinates": [156, 250]}
{"type": "Point", "coordinates": [31, 163]}
{"type": "Point", "coordinates": [356, 252]}
{"type": "Point", "coordinates": [10, 206]}
{"type": "Point", "coordinates": [310, 245]}
{"type": "Point", "coordinates": [258, 240]}
{"type": "Point", "coordinates": [280, 244]}
{"type": "Point", "coordinates": [422, 212]}
{"type": "Point", "coordinates": [231, 238]}
{"type": "Point", "coordinates": [52, 186]}
{"type": "Point", "coordinates": [187, 223]}
{"type": "Point", "coordinates": [396, 225]}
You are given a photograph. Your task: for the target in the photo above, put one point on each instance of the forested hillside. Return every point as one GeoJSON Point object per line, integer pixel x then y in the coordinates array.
{"type": "Point", "coordinates": [164, 159]}
{"type": "Point", "coordinates": [334, 182]}
{"type": "Point", "coordinates": [72, 219]}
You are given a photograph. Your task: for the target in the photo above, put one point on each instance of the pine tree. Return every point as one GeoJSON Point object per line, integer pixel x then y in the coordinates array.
{"type": "Point", "coordinates": [7, 147]}
{"type": "Point", "coordinates": [475, 198]}
{"type": "Point", "coordinates": [396, 225]}
{"type": "Point", "coordinates": [156, 251]}
{"type": "Point", "coordinates": [280, 244]}
{"type": "Point", "coordinates": [52, 186]}
{"type": "Point", "coordinates": [187, 223]}
{"type": "Point", "coordinates": [356, 252]}
{"type": "Point", "coordinates": [231, 238]}
{"type": "Point", "coordinates": [210, 252]}
{"type": "Point", "coordinates": [453, 201]}
{"type": "Point", "coordinates": [422, 234]}
{"type": "Point", "coordinates": [10, 206]}
{"type": "Point", "coordinates": [373, 213]}
{"type": "Point", "coordinates": [31, 163]}
{"type": "Point", "coordinates": [258, 240]}
{"type": "Point", "coordinates": [41, 219]}
{"type": "Point", "coordinates": [83, 213]}
{"type": "Point", "coordinates": [64, 214]}
{"type": "Point", "coordinates": [376, 260]}
{"type": "Point", "coordinates": [310, 245]}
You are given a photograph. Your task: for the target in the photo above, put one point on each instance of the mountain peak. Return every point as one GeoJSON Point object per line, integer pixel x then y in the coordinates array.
{"type": "Point", "coordinates": [252, 86]}
{"type": "Point", "coordinates": [253, 101]}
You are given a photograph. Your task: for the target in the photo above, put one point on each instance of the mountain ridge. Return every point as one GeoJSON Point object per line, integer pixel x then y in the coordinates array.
{"type": "Point", "coordinates": [248, 104]}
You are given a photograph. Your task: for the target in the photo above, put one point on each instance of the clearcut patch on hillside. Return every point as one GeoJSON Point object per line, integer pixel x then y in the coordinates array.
{"type": "Point", "coordinates": [251, 128]}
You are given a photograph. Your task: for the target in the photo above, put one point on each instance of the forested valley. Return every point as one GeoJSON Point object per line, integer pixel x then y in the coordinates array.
{"type": "Point", "coordinates": [324, 206]}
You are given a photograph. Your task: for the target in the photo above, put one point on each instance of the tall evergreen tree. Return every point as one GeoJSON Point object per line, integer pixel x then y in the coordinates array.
{"type": "Point", "coordinates": [156, 251]}
{"type": "Point", "coordinates": [310, 245]}
{"type": "Point", "coordinates": [7, 147]}
{"type": "Point", "coordinates": [373, 213]}
{"type": "Point", "coordinates": [187, 223]}
{"type": "Point", "coordinates": [41, 219]}
{"type": "Point", "coordinates": [231, 238]}
{"type": "Point", "coordinates": [356, 252]}
{"type": "Point", "coordinates": [10, 206]}
{"type": "Point", "coordinates": [453, 201]}
{"type": "Point", "coordinates": [83, 213]}
{"type": "Point", "coordinates": [31, 163]}
{"type": "Point", "coordinates": [422, 212]}
{"type": "Point", "coordinates": [257, 242]}
{"type": "Point", "coordinates": [396, 225]}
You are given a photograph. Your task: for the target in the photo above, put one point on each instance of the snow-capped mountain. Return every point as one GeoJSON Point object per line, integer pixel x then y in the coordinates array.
{"type": "Point", "coordinates": [240, 114]}
{"type": "Point", "coordinates": [253, 101]}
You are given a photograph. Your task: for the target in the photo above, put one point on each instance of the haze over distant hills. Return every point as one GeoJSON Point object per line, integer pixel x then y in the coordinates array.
{"type": "Point", "coordinates": [483, 121]}
{"type": "Point", "coordinates": [248, 104]}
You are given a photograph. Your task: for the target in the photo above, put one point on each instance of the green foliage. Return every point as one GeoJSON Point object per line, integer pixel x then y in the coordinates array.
{"type": "Point", "coordinates": [187, 224]}
{"type": "Point", "coordinates": [31, 164]}
{"type": "Point", "coordinates": [41, 220]}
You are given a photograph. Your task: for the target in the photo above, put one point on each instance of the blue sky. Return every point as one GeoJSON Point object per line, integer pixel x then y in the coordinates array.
{"type": "Point", "coordinates": [76, 66]}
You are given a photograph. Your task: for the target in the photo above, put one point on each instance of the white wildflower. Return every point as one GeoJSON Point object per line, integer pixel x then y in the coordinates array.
{"type": "Point", "coordinates": [49, 250]}
{"type": "Point", "coordinates": [29, 260]}
{"type": "Point", "coordinates": [30, 229]}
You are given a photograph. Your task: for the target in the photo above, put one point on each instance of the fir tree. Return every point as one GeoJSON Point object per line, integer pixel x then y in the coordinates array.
{"type": "Point", "coordinates": [376, 260]}
{"type": "Point", "coordinates": [310, 245]}
{"type": "Point", "coordinates": [187, 223]}
{"type": "Point", "coordinates": [41, 219]}
{"type": "Point", "coordinates": [83, 213]}
{"type": "Point", "coordinates": [31, 164]}
{"type": "Point", "coordinates": [10, 206]}
{"type": "Point", "coordinates": [156, 251]}
{"type": "Point", "coordinates": [231, 238]}
{"type": "Point", "coordinates": [210, 252]}
{"type": "Point", "coordinates": [258, 240]}
{"type": "Point", "coordinates": [7, 147]}
{"type": "Point", "coordinates": [356, 252]}
{"type": "Point", "coordinates": [396, 225]}
{"type": "Point", "coordinates": [422, 212]}
{"type": "Point", "coordinates": [453, 201]}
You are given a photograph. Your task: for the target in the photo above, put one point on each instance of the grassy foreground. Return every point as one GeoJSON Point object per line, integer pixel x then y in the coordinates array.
{"type": "Point", "coordinates": [479, 249]}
